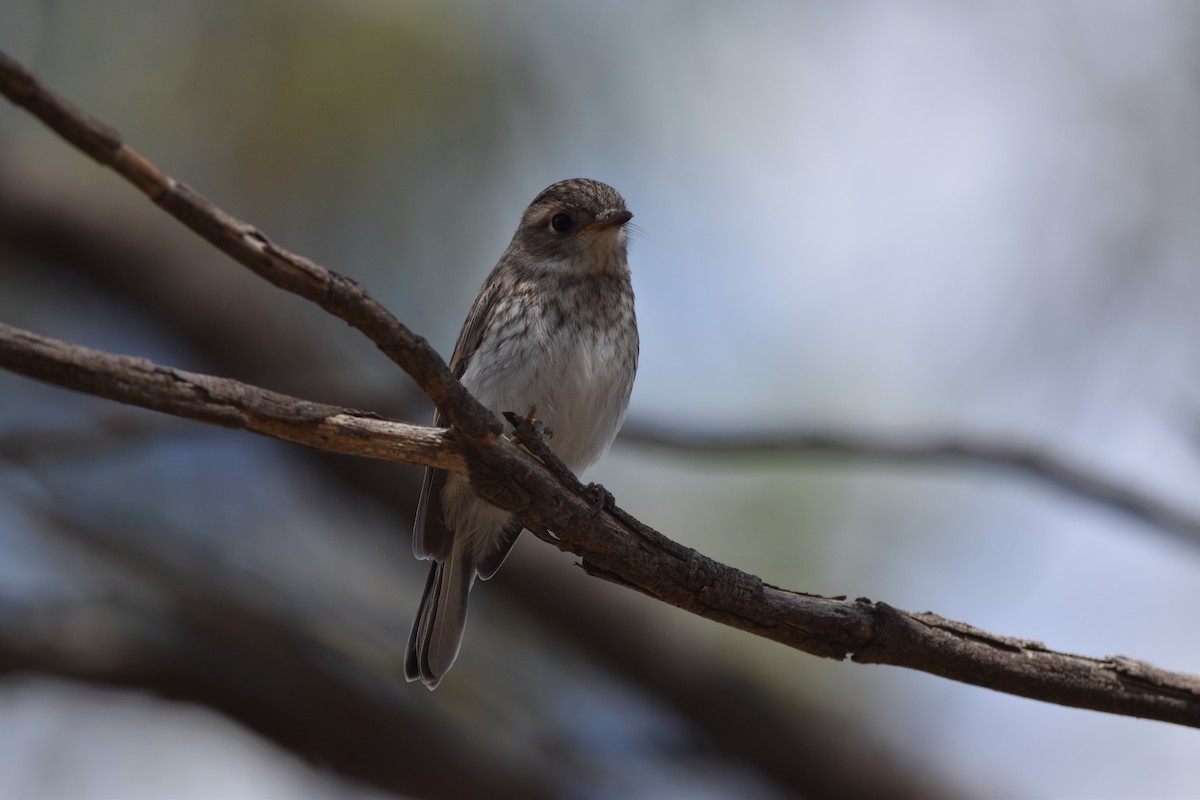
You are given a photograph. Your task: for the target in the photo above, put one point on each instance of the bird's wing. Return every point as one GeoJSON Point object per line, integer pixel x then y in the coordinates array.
{"type": "Point", "coordinates": [474, 328]}
{"type": "Point", "coordinates": [431, 537]}
{"type": "Point", "coordinates": [488, 565]}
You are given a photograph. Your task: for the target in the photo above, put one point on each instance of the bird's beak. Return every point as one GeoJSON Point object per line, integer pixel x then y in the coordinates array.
{"type": "Point", "coordinates": [614, 220]}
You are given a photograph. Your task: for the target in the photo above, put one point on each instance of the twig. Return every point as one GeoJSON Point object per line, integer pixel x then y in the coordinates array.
{"type": "Point", "coordinates": [1023, 459]}
{"type": "Point", "coordinates": [613, 545]}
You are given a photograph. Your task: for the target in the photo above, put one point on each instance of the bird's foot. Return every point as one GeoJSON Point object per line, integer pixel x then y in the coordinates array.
{"type": "Point", "coordinates": [526, 429]}
{"type": "Point", "coordinates": [602, 499]}
{"type": "Point", "coordinates": [528, 426]}
{"type": "Point", "coordinates": [531, 434]}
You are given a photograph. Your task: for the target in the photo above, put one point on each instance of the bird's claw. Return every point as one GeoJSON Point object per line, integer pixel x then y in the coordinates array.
{"type": "Point", "coordinates": [532, 434]}
{"type": "Point", "coordinates": [528, 427]}
{"type": "Point", "coordinates": [539, 428]}
{"type": "Point", "coordinates": [602, 499]}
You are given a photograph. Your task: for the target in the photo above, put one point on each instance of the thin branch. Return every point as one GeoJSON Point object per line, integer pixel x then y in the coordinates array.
{"type": "Point", "coordinates": [340, 296]}
{"type": "Point", "coordinates": [1024, 459]}
{"type": "Point", "coordinates": [225, 402]}
{"type": "Point", "coordinates": [612, 544]}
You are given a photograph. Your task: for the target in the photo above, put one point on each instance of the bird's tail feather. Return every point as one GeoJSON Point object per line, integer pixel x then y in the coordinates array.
{"type": "Point", "coordinates": [437, 630]}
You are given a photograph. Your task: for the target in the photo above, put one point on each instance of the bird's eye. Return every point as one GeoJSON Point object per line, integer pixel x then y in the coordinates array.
{"type": "Point", "coordinates": [560, 223]}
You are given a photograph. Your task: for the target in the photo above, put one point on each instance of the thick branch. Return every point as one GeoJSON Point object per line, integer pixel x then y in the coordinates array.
{"type": "Point", "coordinates": [225, 402]}
{"type": "Point", "coordinates": [613, 545]}
{"type": "Point", "coordinates": [617, 547]}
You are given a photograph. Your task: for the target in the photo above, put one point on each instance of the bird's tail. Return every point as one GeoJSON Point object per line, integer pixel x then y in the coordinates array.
{"type": "Point", "coordinates": [437, 630]}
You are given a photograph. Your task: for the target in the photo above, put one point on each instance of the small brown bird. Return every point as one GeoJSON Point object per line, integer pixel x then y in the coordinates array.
{"type": "Point", "coordinates": [551, 334]}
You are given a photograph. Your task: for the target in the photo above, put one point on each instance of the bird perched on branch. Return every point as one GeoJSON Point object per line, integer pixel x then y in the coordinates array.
{"type": "Point", "coordinates": [552, 335]}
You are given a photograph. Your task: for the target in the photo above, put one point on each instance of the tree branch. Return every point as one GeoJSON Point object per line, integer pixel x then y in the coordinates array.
{"type": "Point", "coordinates": [612, 544]}
{"type": "Point", "coordinates": [1020, 458]}
{"type": "Point", "coordinates": [617, 547]}
{"type": "Point", "coordinates": [340, 296]}
{"type": "Point", "coordinates": [225, 402]}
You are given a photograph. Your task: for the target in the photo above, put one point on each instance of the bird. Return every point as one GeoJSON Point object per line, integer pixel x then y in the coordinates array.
{"type": "Point", "coordinates": [552, 336]}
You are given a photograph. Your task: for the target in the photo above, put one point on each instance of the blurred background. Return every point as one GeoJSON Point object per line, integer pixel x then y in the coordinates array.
{"type": "Point", "coordinates": [910, 218]}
